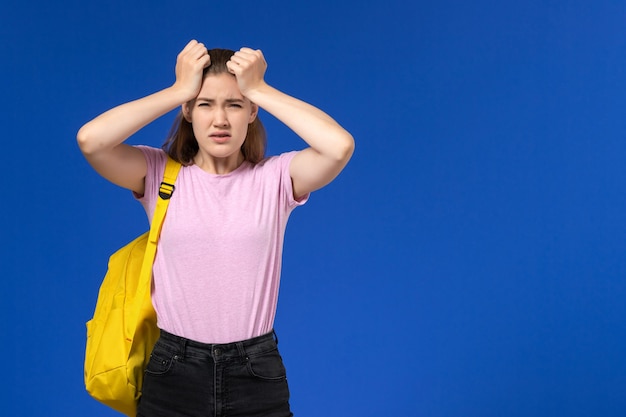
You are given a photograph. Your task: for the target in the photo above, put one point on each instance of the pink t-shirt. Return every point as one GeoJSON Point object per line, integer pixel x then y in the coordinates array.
{"type": "Point", "coordinates": [217, 270]}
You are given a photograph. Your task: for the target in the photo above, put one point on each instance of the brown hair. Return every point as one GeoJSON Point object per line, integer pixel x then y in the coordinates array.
{"type": "Point", "coordinates": [181, 144]}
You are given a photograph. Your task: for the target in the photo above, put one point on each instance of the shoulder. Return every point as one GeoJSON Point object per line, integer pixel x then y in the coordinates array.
{"type": "Point", "coordinates": [278, 169]}
{"type": "Point", "coordinates": [154, 156]}
{"type": "Point", "coordinates": [156, 159]}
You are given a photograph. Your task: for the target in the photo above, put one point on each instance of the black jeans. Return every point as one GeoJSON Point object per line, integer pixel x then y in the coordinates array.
{"type": "Point", "coordinates": [188, 378]}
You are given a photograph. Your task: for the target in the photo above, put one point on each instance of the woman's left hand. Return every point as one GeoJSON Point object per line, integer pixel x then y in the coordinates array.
{"type": "Point", "coordinates": [248, 66]}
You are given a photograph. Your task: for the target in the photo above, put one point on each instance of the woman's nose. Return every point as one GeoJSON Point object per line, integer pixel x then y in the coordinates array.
{"type": "Point", "coordinates": [219, 117]}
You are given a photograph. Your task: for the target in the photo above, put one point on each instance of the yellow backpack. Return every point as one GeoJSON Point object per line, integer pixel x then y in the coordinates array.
{"type": "Point", "coordinates": [123, 330]}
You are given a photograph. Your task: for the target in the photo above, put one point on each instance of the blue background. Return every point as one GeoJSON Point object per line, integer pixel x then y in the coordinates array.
{"type": "Point", "coordinates": [468, 262]}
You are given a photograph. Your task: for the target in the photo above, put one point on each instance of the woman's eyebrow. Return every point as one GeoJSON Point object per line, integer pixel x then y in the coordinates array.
{"type": "Point", "coordinates": [228, 100]}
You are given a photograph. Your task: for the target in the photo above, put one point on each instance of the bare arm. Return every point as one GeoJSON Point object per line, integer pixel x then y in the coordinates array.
{"type": "Point", "coordinates": [330, 145]}
{"type": "Point", "coordinates": [101, 139]}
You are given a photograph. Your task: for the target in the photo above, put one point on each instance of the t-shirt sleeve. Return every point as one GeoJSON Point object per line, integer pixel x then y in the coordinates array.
{"type": "Point", "coordinates": [155, 160]}
{"type": "Point", "coordinates": [287, 185]}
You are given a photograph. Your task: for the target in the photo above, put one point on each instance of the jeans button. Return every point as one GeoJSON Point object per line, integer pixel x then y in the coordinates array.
{"type": "Point", "coordinates": [217, 352]}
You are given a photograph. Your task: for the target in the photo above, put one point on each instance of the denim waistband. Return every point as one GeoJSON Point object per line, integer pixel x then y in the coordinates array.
{"type": "Point", "coordinates": [219, 352]}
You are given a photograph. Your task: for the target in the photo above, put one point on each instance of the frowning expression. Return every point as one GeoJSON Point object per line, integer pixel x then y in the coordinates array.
{"type": "Point", "coordinates": [220, 115]}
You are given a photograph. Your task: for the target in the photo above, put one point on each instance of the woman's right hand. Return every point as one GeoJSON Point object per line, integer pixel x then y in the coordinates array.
{"type": "Point", "coordinates": [190, 64]}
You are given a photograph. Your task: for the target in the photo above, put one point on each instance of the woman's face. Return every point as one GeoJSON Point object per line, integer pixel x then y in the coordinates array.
{"type": "Point", "coordinates": [220, 116]}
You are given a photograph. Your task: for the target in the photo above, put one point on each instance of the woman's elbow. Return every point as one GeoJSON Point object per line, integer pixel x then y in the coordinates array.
{"type": "Point", "coordinates": [85, 141]}
{"type": "Point", "coordinates": [345, 148]}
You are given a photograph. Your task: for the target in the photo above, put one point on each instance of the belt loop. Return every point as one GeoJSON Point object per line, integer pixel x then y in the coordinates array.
{"type": "Point", "coordinates": [241, 350]}
{"type": "Point", "coordinates": [183, 347]}
{"type": "Point", "coordinates": [275, 336]}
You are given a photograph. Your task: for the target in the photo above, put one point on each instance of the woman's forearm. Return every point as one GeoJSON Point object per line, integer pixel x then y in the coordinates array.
{"type": "Point", "coordinates": [116, 125]}
{"type": "Point", "coordinates": [316, 128]}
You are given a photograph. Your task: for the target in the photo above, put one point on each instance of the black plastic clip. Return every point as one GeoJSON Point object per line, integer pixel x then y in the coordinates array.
{"type": "Point", "coordinates": [166, 190]}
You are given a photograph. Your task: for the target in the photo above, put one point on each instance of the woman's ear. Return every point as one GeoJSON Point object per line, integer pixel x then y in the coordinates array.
{"type": "Point", "coordinates": [186, 109]}
{"type": "Point", "coordinates": [254, 111]}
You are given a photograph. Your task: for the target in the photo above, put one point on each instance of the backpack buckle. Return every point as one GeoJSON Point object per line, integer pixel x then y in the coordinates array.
{"type": "Point", "coordinates": [166, 190]}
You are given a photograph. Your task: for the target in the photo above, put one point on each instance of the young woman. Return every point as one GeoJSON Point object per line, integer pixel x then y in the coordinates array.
{"type": "Point", "coordinates": [217, 270]}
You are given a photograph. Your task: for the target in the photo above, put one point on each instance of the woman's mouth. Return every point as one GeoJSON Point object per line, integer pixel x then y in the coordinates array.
{"type": "Point", "coordinates": [220, 137]}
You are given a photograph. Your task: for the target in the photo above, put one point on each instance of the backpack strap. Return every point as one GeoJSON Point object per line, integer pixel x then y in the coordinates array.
{"type": "Point", "coordinates": [166, 190]}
